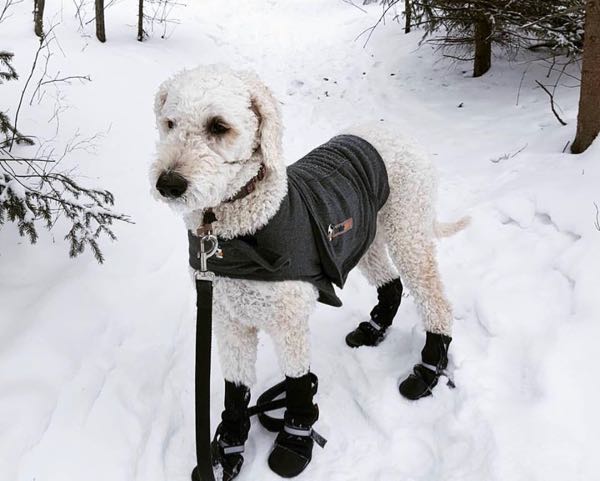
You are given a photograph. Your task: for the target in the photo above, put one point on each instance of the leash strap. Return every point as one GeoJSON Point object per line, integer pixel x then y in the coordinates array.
{"type": "Point", "coordinates": [204, 299]}
{"type": "Point", "coordinates": [204, 293]}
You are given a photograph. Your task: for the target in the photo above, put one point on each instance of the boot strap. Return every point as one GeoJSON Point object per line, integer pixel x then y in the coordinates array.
{"type": "Point", "coordinates": [305, 433]}
{"type": "Point", "coordinates": [375, 325]}
{"type": "Point", "coordinates": [231, 449]}
{"type": "Point", "coordinates": [431, 367]}
{"type": "Point", "coordinates": [268, 401]}
{"type": "Point", "coordinates": [221, 448]}
{"type": "Point", "coordinates": [438, 371]}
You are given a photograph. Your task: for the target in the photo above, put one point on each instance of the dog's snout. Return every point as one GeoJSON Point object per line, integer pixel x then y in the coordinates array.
{"type": "Point", "coordinates": [171, 185]}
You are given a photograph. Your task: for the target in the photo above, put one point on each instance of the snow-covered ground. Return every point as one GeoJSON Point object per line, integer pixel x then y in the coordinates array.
{"type": "Point", "coordinates": [96, 362]}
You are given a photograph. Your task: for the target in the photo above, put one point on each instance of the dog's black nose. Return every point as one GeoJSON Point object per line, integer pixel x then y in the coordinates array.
{"type": "Point", "coordinates": [171, 184]}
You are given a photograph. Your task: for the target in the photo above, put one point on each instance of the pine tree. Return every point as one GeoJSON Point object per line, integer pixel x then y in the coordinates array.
{"type": "Point", "coordinates": [100, 30]}
{"type": "Point", "coordinates": [588, 124]}
{"type": "Point", "coordinates": [141, 34]}
{"type": "Point", "coordinates": [38, 17]}
{"type": "Point", "coordinates": [32, 193]}
{"type": "Point", "coordinates": [7, 130]}
{"type": "Point", "coordinates": [473, 27]}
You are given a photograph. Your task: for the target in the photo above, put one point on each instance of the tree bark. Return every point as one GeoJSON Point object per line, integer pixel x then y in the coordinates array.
{"type": "Point", "coordinates": [100, 31]}
{"type": "Point", "coordinates": [483, 46]}
{"type": "Point", "coordinates": [140, 35]}
{"type": "Point", "coordinates": [407, 16]}
{"type": "Point", "coordinates": [588, 121]}
{"type": "Point", "coordinates": [38, 17]}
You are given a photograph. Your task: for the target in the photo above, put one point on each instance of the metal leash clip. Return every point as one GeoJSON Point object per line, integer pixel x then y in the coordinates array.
{"type": "Point", "coordinates": [209, 246]}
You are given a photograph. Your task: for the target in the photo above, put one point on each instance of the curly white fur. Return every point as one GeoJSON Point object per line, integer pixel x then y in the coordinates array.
{"type": "Point", "coordinates": [216, 167]}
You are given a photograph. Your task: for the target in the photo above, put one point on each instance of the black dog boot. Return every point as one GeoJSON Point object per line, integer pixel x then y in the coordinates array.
{"type": "Point", "coordinates": [228, 445]}
{"type": "Point", "coordinates": [426, 375]}
{"type": "Point", "coordinates": [371, 333]}
{"type": "Point", "coordinates": [292, 451]}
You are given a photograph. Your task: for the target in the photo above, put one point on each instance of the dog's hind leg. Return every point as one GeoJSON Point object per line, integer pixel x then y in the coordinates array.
{"type": "Point", "coordinates": [380, 271]}
{"type": "Point", "coordinates": [413, 251]}
{"type": "Point", "coordinates": [376, 264]}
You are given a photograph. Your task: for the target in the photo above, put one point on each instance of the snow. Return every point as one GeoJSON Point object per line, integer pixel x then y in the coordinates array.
{"type": "Point", "coordinates": [96, 362]}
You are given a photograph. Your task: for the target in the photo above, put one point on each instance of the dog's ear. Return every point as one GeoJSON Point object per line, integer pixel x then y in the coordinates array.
{"type": "Point", "coordinates": [161, 96]}
{"type": "Point", "coordinates": [266, 109]}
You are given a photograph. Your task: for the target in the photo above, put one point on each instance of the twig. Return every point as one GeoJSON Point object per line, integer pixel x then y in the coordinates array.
{"type": "Point", "coordinates": [160, 13]}
{"type": "Point", "coordinates": [78, 7]}
{"type": "Point", "coordinates": [381, 19]}
{"type": "Point", "coordinates": [350, 2]}
{"type": "Point", "coordinates": [25, 159]}
{"type": "Point", "coordinates": [43, 43]}
{"type": "Point", "coordinates": [566, 145]}
{"type": "Point", "coordinates": [67, 79]}
{"type": "Point", "coordinates": [460, 59]}
{"type": "Point", "coordinates": [109, 4]}
{"type": "Point", "coordinates": [597, 220]}
{"type": "Point", "coordinates": [551, 103]}
{"type": "Point", "coordinates": [521, 82]}
{"type": "Point", "coordinates": [508, 156]}
{"type": "Point", "coordinates": [7, 5]}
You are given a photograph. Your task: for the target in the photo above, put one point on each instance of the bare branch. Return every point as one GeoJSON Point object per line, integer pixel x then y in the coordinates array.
{"type": "Point", "coordinates": [4, 11]}
{"type": "Point", "coordinates": [551, 95]}
{"type": "Point", "coordinates": [56, 80]}
{"type": "Point", "coordinates": [381, 19]}
{"type": "Point", "coordinates": [350, 2]}
{"type": "Point", "coordinates": [44, 42]}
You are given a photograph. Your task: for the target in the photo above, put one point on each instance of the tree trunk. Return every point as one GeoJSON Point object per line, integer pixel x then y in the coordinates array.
{"type": "Point", "coordinates": [140, 35]}
{"type": "Point", "coordinates": [38, 17]}
{"type": "Point", "coordinates": [483, 46]}
{"type": "Point", "coordinates": [588, 121]}
{"type": "Point", "coordinates": [100, 31]}
{"type": "Point", "coordinates": [407, 16]}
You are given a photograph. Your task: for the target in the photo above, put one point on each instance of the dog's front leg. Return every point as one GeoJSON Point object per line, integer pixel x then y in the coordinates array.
{"type": "Point", "coordinates": [292, 306]}
{"type": "Point", "coordinates": [237, 345]}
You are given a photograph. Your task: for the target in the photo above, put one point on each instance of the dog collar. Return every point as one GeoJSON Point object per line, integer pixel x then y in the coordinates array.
{"type": "Point", "coordinates": [209, 216]}
{"type": "Point", "coordinates": [250, 185]}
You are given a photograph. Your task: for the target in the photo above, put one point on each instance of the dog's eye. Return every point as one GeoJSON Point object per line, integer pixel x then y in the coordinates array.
{"type": "Point", "coordinates": [217, 126]}
{"type": "Point", "coordinates": [170, 124]}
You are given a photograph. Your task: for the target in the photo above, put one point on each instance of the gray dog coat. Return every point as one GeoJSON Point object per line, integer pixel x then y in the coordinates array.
{"type": "Point", "coordinates": [325, 223]}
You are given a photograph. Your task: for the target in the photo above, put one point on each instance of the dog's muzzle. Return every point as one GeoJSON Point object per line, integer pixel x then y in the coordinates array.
{"type": "Point", "coordinates": [171, 185]}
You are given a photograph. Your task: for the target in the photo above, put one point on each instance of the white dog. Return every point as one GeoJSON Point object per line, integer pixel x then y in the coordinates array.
{"type": "Point", "coordinates": [220, 149]}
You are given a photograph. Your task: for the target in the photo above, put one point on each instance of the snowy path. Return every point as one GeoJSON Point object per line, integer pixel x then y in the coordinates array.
{"type": "Point", "coordinates": [96, 363]}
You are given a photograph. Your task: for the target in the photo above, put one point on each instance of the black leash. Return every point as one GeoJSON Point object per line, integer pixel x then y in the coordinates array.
{"type": "Point", "coordinates": [204, 292]}
{"type": "Point", "coordinates": [267, 401]}
{"type": "Point", "coordinates": [204, 298]}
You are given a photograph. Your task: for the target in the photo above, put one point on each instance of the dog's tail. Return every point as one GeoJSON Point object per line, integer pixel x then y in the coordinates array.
{"type": "Point", "coordinates": [447, 229]}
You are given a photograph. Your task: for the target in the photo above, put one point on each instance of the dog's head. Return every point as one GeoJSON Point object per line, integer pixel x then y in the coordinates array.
{"type": "Point", "coordinates": [216, 127]}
